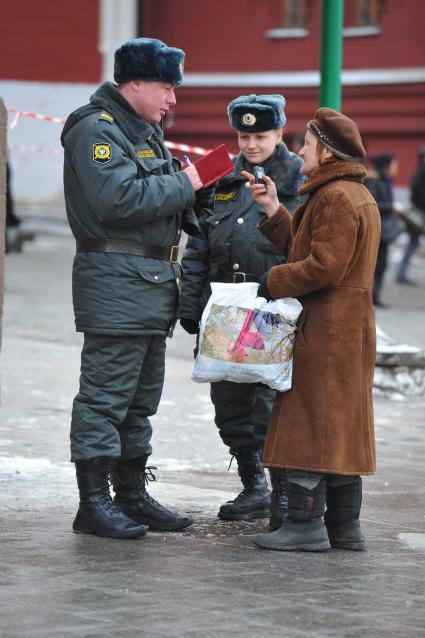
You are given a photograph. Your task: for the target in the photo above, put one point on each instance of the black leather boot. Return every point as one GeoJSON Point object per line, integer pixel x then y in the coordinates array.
{"type": "Point", "coordinates": [279, 503]}
{"type": "Point", "coordinates": [129, 482]}
{"type": "Point", "coordinates": [303, 529]}
{"type": "Point", "coordinates": [97, 513]}
{"type": "Point", "coordinates": [342, 516]}
{"type": "Point", "coordinates": [254, 500]}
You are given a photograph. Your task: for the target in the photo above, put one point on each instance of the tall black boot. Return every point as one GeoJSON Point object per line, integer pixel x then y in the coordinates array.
{"type": "Point", "coordinates": [97, 513]}
{"type": "Point", "coordinates": [279, 503]}
{"type": "Point", "coordinates": [303, 529]}
{"type": "Point", "coordinates": [342, 516]}
{"type": "Point", "coordinates": [254, 500]}
{"type": "Point", "coordinates": [129, 481]}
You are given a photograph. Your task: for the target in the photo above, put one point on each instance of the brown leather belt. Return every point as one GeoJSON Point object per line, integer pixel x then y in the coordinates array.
{"type": "Point", "coordinates": [166, 253]}
{"type": "Point", "coordinates": [237, 277]}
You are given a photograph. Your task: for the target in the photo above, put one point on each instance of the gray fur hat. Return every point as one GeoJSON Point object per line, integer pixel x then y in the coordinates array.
{"type": "Point", "coordinates": [149, 60]}
{"type": "Point", "coordinates": [256, 113]}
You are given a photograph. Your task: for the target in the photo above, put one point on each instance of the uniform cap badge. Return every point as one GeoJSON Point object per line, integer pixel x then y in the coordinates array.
{"type": "Point", "coordinates": [249, 119]}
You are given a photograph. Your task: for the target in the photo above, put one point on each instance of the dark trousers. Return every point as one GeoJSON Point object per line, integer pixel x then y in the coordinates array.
{"type": "Point", "coordinates": [120, 387]}
{"type": "Point", "coordinates": [409, 251]}
{"type": "Point", "coordinates": [242, 412]}
{"type": "Point", "coordinates": [381, 266]}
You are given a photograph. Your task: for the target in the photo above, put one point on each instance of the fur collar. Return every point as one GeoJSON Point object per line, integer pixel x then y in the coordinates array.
{"type": "Point", "coordinates": [336, 170]}
{"type": "Point", "coordinates": [133, 126]}
{"type": "Point", "coordinates": [283, 167]}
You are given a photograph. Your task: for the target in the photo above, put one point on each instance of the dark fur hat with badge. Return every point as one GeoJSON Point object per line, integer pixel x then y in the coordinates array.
{"type": "Point", "coordinates": [256, 113]}
{"type": "Point", "coordinates": [149, 60]}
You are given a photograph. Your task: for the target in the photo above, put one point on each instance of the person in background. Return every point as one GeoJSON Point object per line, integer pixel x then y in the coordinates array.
{"type": "Point", "coordinates": [321, 433]}
{"type": "Point", "coordinates": [125, 201]}
{"type": "Point", "coordinates": [380, 185]}
{"type": "Point", "coordinates": [417, 198]}
{"type": "Point", "coordinates": [231, 250]}
{"type": "Point", "coordinates": [297, 142]}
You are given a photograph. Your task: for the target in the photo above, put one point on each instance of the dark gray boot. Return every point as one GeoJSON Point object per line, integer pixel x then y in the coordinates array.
{"type": "Point", "coordinates": [254, 500]}
{"type": "Point", "coordinates": [303, 529]}
{"type": "Point", "coordinates": [129, 480]}
{"type": "Point", "coordinates": [343, 504]}
{"type": "Point", "coordinates": [97, 513]}
{"type": "Point", "coordinates": [279, 503]}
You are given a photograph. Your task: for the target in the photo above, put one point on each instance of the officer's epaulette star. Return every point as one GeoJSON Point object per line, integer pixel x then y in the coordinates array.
{"type": "Point", "coordinates": [106, 116]}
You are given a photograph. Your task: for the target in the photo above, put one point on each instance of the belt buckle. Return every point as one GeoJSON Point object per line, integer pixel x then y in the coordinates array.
{"type": "Point", "coordinates": [243, 277]}
{"type": "Point", "coordinates": [173, 254]}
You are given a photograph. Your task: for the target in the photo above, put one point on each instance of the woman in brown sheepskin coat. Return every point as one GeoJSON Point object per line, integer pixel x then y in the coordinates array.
{"type": "Point", "coordinates": [321, 437]}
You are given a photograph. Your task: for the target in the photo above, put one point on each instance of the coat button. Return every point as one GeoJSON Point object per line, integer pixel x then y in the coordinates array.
{"type": "Point", "coordinates": [235, 266]}
{"type": "Point", "coordinates": [156, 277]}
{"type": "Point", "coordinates": [240, 220]}
{"type": "Point", "coordinates": [177, 280]}
{"type": "Point", "coordinates": [217, 222]}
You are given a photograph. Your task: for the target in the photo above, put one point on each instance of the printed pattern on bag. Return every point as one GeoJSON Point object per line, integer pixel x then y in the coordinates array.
{"type": "Point", "coordinates": [243, 335]}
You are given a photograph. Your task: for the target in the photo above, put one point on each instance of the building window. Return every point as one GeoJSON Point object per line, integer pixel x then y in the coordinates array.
{"type": "Point", "coordinates": [293, 17]}
{"type": "Point", "coordinates": [363, 17]}
{"type": "Point", "coordinates": [294, 14]}
{"type": "Point", "coordinates": [369, 12]}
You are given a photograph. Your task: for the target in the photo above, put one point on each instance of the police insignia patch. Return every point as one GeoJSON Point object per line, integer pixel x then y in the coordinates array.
{"type": "Point", "coordinates": [102, 153]}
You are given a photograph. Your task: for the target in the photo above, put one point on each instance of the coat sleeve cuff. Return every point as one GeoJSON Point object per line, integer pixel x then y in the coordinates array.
{"type": "Point", "coordinates": [270, 223]}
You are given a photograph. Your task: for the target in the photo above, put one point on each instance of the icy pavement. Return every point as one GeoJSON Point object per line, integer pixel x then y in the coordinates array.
{"type": "Point", "coordinates": [210, 579]}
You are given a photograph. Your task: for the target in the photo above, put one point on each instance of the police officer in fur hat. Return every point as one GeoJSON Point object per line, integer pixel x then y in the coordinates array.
{"type": "Point", "coordinates": [231, 250]}
{"type": "Point", "coordinates": [125, 198]}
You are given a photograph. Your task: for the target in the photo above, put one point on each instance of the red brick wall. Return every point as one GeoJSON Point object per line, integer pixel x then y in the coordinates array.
{"type": "Point", "coordinates": [50, 40]}
{"type": "Point", "coordinates": [229, 35]}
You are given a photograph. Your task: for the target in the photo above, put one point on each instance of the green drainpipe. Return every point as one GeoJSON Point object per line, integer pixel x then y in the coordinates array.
{"type": "Point", "coordinates": [331, 53]}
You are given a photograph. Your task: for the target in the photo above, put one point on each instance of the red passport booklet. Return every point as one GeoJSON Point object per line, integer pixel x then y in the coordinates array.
{"type": "Point", "coordinates": [214, 165]}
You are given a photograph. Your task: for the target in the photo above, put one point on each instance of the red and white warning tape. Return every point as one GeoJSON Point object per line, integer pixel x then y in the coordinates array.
{"type": "Point", "coordinates": [35, 149]}
{"type": "Point", "coordinates": [185, 148]}
{"type": "Point", "coordinates": [197, 150]}
{"type": "Point", "coordinates": [34, 116]}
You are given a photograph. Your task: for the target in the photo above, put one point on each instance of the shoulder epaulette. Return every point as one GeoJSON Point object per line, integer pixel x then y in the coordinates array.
{"type": "Point", "coordinates": [106, 116]}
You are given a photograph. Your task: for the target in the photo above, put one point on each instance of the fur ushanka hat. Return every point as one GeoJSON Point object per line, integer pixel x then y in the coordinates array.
{"type": "Point", "coordinates": [149, 60]}
{"type": "Point", "coordinates": [256, 113]}
{"type": "Point", "coordinates": [338, 134]}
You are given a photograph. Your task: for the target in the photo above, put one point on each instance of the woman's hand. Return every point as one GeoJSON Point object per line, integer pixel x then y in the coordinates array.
{"type": "Point", "coordinates": [267, 199]}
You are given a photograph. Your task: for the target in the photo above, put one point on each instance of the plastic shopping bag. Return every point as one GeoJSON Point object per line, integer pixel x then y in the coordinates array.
{"type": "Point", "coordinates": [245, 339]}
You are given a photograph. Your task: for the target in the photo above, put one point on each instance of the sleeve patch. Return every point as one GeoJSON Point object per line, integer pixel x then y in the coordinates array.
{"type": "Point", "coordinates": [102, 153]}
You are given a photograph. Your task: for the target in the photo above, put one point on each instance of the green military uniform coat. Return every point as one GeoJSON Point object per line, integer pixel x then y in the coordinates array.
{"type": "Point", "coordinates": [120, 184]}
{"type": "Point", "coordinates": [230, 244]}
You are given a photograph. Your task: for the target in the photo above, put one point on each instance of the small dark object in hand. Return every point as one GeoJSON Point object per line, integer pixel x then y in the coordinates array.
{"type": "Point", "coordinates": [258, 175]}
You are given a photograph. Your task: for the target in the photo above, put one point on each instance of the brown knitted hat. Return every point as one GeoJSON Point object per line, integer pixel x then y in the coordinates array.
{"type": "Point", "coordinates": [338, 134]}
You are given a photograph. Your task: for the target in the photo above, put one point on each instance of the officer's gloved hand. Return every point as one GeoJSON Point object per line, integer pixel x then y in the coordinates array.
{"type": "Point", "coordinates": [190, 325]}
{"type": "Point", "coordinates": [263, 290]}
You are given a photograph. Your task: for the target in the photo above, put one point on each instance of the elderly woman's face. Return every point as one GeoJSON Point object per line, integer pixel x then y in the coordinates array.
{"type": "Point", "coordinates": [257, 147]}
{"type": "Point", "coordinates": [308, 154]}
